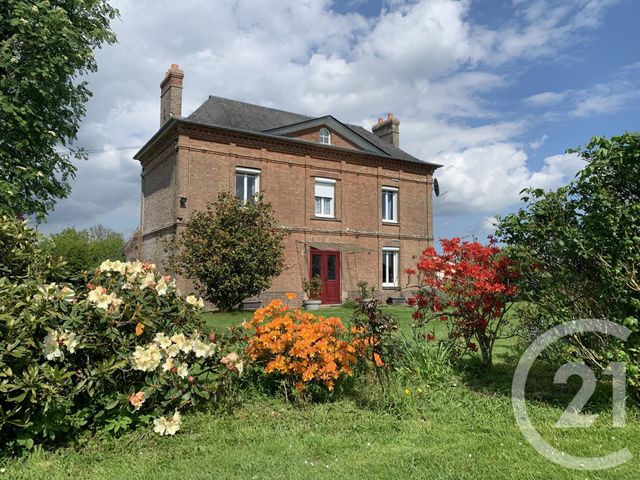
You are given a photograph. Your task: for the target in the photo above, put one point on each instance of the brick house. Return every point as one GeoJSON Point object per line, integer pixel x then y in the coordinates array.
{"type": "Point", "coordinates": [356, 206]}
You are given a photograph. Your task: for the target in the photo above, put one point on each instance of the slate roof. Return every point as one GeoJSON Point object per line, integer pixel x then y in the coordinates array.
{"type": "Point", "coordinates": [227, 113]}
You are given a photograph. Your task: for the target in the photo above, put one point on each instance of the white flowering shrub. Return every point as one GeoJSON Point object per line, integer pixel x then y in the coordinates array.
{"type": "Point", "coordinates": [125, 350]}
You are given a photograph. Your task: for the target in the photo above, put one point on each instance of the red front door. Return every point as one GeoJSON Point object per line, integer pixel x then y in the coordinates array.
{"type": "Point", "coordinates": [326, 265]}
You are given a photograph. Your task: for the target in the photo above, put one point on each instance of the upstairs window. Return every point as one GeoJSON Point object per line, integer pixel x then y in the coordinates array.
{"type": "Point", "coordinates": [325, 136]}
{"type": "Point", "coordinates": [247, 184]}
{"type": "Point", "coordinates": [390, 266]}
{"type": "Point", "coordinates": [390, 204]}
{"type": "Point", "coordinates": [325, 197]}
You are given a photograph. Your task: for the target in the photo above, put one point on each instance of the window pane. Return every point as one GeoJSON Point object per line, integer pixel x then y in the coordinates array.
{"type": "Point", "coordinates": [392, 268]}
{"type": "Point", "coordinates": [390, 199]}
{"type": "Point", "coordinates": [318, 206]}
{"type": "Point", "coordinates": [331, 267]}
{"type": "Point", "coordinates": [384, 205]}
{"type": "Point", "coordinates": [315, 265]}
{"type": "Point", "coordinates": [327, 206]}
{"type": "Point", "coordinates": [240, 186]}
{"type": "Point", "coordinates": [251, 187]}
{"type": "Point", "coordinates": [384, 267]}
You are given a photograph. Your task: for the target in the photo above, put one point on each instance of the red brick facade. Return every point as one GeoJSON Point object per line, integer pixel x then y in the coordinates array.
{"type": "Point", "coordinates": [186, 165]}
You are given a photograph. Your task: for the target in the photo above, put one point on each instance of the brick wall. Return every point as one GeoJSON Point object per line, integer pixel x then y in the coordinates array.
{"type": "Point", "coordinates": [197, 167]}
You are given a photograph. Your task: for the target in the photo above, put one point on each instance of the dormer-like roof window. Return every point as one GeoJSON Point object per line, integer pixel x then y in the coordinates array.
{"type": "Point", "coordinates": [325, 136]}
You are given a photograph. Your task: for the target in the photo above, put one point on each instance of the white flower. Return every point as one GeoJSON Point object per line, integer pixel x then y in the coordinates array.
{"type": "Point", "coordinates": [134, 268]}
{"type": "Point", "coordinates": [182, 372]}
{"type": "Point", "coordinates": [161, 287]}
{"type": "Point", "coordinates": [149, 280]}
{"type": "Point", "coordinates": [172, 351]}
{"type": "Point", "coordinates": [105, 266]}
{"type": "Point", "coordinates": [195, 301]}
{"type": "Point", "coordinates": [168, 364]}
{"type": "Point", "coordinates": [115, 266]}
{"type": "Point", "coordinates": [200, 348]}
{"type": "Point", "coordinates": [51, 347]}
{"type": "Point", "coordinates": [146, 358]}
{"type": "Point", "coordinates": [115, 301]}
{"type": "Point", "coordinates": [98, 296]}
{"type": "Point", "coordinates": [168, 426]}
{"type": "Point", "coordinates": [162, 340]}
{"type": "Point", "coordinates": [181, 341]}
{"type": "Point", "coordinates": [70, 340]}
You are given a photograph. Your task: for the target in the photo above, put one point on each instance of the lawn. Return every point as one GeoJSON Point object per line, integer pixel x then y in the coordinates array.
{"type": "Point", "coordinates": [461, 428]}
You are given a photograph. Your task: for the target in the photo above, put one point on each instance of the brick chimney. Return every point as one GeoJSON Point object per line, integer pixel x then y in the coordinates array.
{"type": "Point", "coordinates": [388, 130]}
{"type": "Point", "coordinates": [171, 94]}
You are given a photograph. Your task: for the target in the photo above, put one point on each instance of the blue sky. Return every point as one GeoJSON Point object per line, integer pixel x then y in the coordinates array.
{"type": "Point", "coordinates": [494, 90]}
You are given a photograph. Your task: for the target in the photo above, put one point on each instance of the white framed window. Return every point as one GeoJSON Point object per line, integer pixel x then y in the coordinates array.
{"type": "Point", "coordinates": [325, 197]}
{"type": "Point", "coordinates": [325, 136]}
{"type": "Point", "coordinates": [247, 183]}
{"type": "Point", "coordinates": [390, 204]}
{"type": "Point", "coordinates": [390, 268]}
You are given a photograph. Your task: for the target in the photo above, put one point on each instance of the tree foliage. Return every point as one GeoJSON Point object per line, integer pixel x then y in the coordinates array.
{"type": "Point", "coordinates": [582, 245]}
{"type": "Point", "coordinates": [84, 250]}
{"type": "Point", "coordinates": [469, 286]}
{"type": "Point", "coordinates": [45, 48]}
{"type": "Point", "coordinates": [232, 250]}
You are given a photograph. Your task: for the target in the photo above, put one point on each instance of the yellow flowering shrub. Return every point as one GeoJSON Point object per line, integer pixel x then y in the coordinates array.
{"type": "Point", "coordinates": [123, 350]}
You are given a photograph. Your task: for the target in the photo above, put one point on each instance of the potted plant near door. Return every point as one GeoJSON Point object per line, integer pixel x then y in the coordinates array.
{"type": "Point", "coordinates": [312, 289]}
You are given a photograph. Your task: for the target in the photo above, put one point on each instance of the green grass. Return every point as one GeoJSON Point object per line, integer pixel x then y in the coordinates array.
{"type": "Point", "coordinates": [462, 428]}
{"type": "Point", "coordinates": [221, 320]}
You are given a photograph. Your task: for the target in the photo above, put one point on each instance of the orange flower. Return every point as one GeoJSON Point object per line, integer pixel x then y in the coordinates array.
{"type": "Point", "coordinates": [291, 296]}
{"type": "Point", "coordinates": [137, 399]}
{"type": "Point", "coordinates": [139, 329]}
{"type": "Point", "coordinates": [301, 346]}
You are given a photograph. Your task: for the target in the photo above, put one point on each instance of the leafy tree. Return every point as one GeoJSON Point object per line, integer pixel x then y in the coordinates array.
{"type": "Point", "coordinates": [85, 250]}
{"type": "Point", "coordinates": [582, 245]}
{"type": "Point", "coordinates": [469, 286]}
{"type": "Point", "coordinates": [45, 47]}
{"type": "Point", "coordinates": [232, 250]}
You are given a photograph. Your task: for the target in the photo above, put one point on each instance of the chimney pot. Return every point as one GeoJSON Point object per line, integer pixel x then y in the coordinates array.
{"type": "Point", "coordinates": [171, 94]}
{"type": "Point", "coordinates": [388, 130]}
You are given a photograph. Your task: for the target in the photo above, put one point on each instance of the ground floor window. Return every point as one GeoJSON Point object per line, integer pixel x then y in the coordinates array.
{"type": "Point", "coordinates": [390, 266]}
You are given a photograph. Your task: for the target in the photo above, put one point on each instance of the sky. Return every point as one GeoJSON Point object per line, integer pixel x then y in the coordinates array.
{"type": "Point", "coordinates": [494, 90]}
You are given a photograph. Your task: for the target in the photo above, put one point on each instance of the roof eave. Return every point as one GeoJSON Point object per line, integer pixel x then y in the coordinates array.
{"type": "Point", "coordinates": [174, 121]}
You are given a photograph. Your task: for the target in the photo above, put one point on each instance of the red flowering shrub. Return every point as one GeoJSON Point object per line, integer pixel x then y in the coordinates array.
{"type": "Point", "coordinates": [469, 286]}
{"type": "Point", "coordinates": [300, 347]}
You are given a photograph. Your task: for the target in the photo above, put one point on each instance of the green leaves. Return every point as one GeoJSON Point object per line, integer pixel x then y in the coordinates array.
{"type": "Point", "coordinates": [581, 242]}
{"type": "Point", "coordinates": [45, 46]}
{"type": "Point", "coordinates": [231, 251]}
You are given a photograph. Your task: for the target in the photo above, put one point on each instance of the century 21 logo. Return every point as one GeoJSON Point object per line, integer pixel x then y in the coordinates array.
{"type": "Point", "coordinates": [571, 416]}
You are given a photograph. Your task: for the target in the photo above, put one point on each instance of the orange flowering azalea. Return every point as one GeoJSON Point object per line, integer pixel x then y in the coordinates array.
{"type": "Point", "coordinates": [301, 346]}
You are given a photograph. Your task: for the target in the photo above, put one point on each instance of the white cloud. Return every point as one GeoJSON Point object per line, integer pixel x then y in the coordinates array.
{"type": "Point", "coordinates": [536, 144]}
{"type": "Point", "coordinates": [490, 178]}
{"type": "Point", "coordinates": [546, 98]}
{"type": "Point", "coordinates": [427, 61]}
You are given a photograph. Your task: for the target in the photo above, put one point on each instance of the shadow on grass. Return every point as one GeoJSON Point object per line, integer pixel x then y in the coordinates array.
{"type": "Point", "coordinates": [540, 387]}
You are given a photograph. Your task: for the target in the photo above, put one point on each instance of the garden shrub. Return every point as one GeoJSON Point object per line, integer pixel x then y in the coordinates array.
{"type": "Point", "coordinates": [83, 251]}
{"type": "Point", "coordinates": [231, 251]}
{"type": "Point", "coordinates": [300, 349]}
{"type": "Point", "coordinates": [375, 334]}
{"type": "Point", "coordinates": [124, 350]}
{"type": "Point", "coordinates": [470, 287]}
{"type": "Point", "coordinates": [580, 250]}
